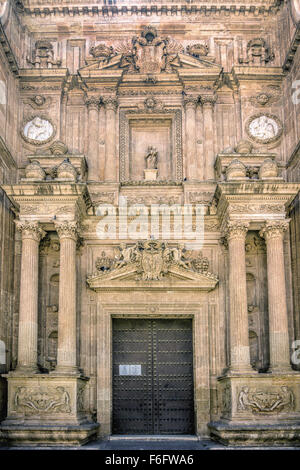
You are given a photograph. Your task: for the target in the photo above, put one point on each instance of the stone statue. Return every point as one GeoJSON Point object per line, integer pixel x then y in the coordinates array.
{"type": "Point", "coordinates": [151, 158]}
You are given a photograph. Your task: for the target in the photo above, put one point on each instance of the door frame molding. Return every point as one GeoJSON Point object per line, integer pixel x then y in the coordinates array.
{"type": "Point", "coordinates": [169, 307]}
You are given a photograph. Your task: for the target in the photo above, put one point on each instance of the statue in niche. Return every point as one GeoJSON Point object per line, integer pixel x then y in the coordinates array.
{"type": "Point", "coordinates": [151, 158]}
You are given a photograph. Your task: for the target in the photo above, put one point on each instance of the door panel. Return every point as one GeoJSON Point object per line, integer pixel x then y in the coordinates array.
{"type": "Point", "coordinates": [160, 399]}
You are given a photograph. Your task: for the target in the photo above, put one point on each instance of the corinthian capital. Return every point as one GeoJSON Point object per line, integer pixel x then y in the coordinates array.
{"type": "Point", "coordinates": [111, 103]}
{"type": "Point", "coordinates": [236, 230]}
{"type": "Point", "coordinates": [274, 229]}
{"type": "Point", "coordinates": [31, 230]}
{"type": "Point", "coordinates": [208, 100]}
{"type": "Point", "coordinates": [190, 102]}
{"type": "Point", "coordinates": [92, 102]}
{"type": "Point", "coordinates": [66, 229]}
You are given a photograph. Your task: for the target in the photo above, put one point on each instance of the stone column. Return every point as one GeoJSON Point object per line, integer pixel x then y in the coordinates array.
{"type": "Point", "coordinates": [190, 104]}
{"type": "Point", "coordinates": [92, 103]}
{"type": "Point", "coordinates": [239, 333]}
{"type": "Point", "coordinates": [66, 350]}
{"type": "Point", "coordinates": [110, 170]}
{"type": "Point", "coordinates": [273, 232]}
{"type": "Point", "coordinates": [208, 137]}
{"type": "Point", "coordinates": [28, 315]}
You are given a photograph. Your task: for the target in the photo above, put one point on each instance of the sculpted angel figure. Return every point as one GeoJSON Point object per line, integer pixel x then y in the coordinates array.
{"type": "Point", "coordinates": [127, 255]}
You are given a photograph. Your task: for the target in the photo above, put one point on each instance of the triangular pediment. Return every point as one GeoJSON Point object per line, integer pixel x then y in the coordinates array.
{"type": "Point", "coordinates": [154, 266]}
{"type": "Point", "coordinates": [180, 61]}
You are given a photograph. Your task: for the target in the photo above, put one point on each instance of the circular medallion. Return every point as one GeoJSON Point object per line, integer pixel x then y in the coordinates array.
{"type": "Point", "coordinates": [264, 128]}
{"type": "Point", "coordinates": [38, 130]}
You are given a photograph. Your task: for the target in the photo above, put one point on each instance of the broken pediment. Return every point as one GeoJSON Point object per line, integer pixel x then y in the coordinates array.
{"type": "Point", "coordinates": [146, 54]}
{"type": "Point", "coordinates": [152, 263]}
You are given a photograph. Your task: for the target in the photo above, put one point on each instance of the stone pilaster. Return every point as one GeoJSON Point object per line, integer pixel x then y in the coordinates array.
{"type": "Point", "coordinates": [208, 137]}
{"type": "Point", "coordinates": [28, 315]}
{"type": "Point", "coordinates": [273, 232]}
{"type": "Point", "coordinates": [92, 103]}
{"type": "Point", "coordinates": [66, 351]}
{"type": "Point", "coordinates": [110, 172]}
{"type": "Point", "coordinates": [239, 334]}
{"type": "Point", "coordinates": [190, 105]}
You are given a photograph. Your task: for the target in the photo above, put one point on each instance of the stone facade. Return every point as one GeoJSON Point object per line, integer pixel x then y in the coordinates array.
{"type": "Point", "coordinates": [183, 104]}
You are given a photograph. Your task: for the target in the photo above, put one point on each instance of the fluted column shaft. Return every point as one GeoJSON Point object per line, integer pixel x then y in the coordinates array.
{"type": "Point", "coordinates": [208, 137]}
{"type": "Point", "coordinates": [239, 334]}
{"type": "Point", "coordinates": [273, 233]}
{"type": "Point", "coordinates": [92, 103]}
{"type": "Point", "coordinates": [190, 133]}
{"type": "Point", "coordinates": [66, 350]}
{"type": "Point", "coordinates": [110, 170]}
{"type": "Point", "coordinates": [28, 315]}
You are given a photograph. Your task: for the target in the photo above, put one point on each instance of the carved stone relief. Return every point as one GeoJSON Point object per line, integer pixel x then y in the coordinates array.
{"type": "Point", "coordinates": [264, 128]}
{"type": "Point", "coordinates": [43, 55]}
{"type": "Point", "coordinates": [39, 400]}
{"type": "Point", "coordinates": [153, 259]}
{"type": "Point", "coordinates": [148, 53]}
{"type": "Point", "coordinates": [266, 401]}
{"type": "Point", "coordinates": [38, 130]}
{"type": "Point", "coordinates": [258, 53]}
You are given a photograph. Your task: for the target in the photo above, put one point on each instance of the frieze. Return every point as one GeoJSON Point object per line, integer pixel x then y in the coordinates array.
{"type": "Point", "coordinates": [39, 400]}
{"type": "Point", "coordinates": [148, 200]}
{"type": "Point", "coordinates": [256, 208]}
{"type": "Point", "coordinates": [266, 401]}
{"type": "Point", "coordinates": [151, 183]}
{"type": "Point", "coordinates": [103, 198]}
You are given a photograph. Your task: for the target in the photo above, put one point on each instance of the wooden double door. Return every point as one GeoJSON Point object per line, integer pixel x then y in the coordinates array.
{"type": "Point", "coordinates": [153, 390]}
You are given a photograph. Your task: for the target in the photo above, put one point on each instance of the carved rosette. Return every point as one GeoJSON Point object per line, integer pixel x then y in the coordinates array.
{"type": "Point", "coordinates": [92, 102]}
{"type": "Point", "coordinates": [30, 230]}
{"type": "Point", "coordinates": [67, 229]}
{"type": "Point", "coordinates": [274, 229]}
{"type": "Point", "coordinates": [111, 103]}
{"type": "Point", "coordinates": [236, 230]}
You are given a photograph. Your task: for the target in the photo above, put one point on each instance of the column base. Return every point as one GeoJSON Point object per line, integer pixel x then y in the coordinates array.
{"type": "Point", "coordinates": [66, 371]}
{"type": "Point", "coordinates": [239, 434]}
{"type": "Point", "coordinates": [259, 409]}
{"type": "Point", "coordinates": [47, 435]}
{"type": "Point", "coordinates": [25, 371]}
{"type": "Point", "coordinates": [48, 410]}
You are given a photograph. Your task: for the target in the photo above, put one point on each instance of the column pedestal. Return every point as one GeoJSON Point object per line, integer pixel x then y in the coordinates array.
{"type": "Point", "coordinates": [258, 410]}
{"type": "Point", "coordinates": [45, 410]}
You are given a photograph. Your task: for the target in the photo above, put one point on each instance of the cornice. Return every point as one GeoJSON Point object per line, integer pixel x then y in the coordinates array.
{"type": "Point", "coordinates": [12, 62]}
{"type": "Point", "coordinates": [292, 50]}
{"type": "Point", "coordinates": [81, 8]}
